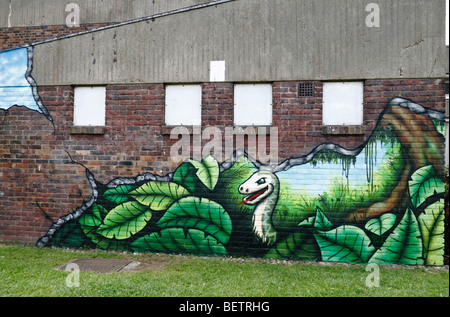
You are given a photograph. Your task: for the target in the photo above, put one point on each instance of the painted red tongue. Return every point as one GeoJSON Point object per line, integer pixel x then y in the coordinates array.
{"type": "Point", "coordinates": [252, 197]}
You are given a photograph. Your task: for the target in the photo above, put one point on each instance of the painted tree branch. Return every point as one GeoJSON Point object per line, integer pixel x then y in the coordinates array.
{"type": "Point", "coordinates": [420, 147]}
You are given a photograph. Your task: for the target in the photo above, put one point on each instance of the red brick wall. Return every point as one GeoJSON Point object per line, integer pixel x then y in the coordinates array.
{"type": "Point", "coordinates": [217, 104]}
{"type": "Point", "coordinates": [36, 171]}
{"type": "Point", "coordinates": [301, 118]}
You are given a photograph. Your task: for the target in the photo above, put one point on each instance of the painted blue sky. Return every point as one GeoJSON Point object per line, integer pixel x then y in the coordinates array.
{"type": "Point", "coordinates": [14, 87]}
{"type": "Point", "coordinates": [315, 180]}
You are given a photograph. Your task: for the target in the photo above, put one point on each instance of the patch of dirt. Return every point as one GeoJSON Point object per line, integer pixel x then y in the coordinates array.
{"type": "Point", "coordinates": [147, 266]}
{"type": "Point", "coordinates": [103, 265]}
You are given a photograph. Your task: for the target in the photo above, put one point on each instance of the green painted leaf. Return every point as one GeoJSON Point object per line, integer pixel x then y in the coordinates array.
{"type": "Point", "coordinates": [119, 194]}
{"type": "Point", "coordinates": [93, 218]}
{"type": "Point", "coordinates": [159, 195]}
{"type": "Point", "coordinates": [124, 221]}
{"type": "Point", "coordinates": [404, 244]}
{"type": "Point", "coordinates": [198, 213]}
{"type": "Point", "coordinates": [297, 246]}
{"type": "Point", "coordinates": [432, 225]}
{"type": "Point", "coordinates": [207, 171]}
{"type": "Point", "coordinates": [423, 184]}
{"type": "Point", "coordinates": [345, 244]}
{"type": "Point", "coordinates": [177, 240]}
{"type": "Point", "coordinates": [319, 221]}
{"type": "Point", "coordinates": [308, 222]}
{"type": "Point", "coordinates": [105, 243]}
{"type": "Point", "coordinates": [185, 175]}
{"type": "Point", "coordinates": [228, 185]}
{"type": "Point", "coordinates": [381, 225]}
{"type": "Point", "coordinates": [89, 223]}
{"type": "Point", "coordinates": [70, 235]}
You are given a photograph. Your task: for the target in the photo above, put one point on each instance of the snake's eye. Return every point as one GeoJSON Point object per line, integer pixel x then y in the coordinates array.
{"type": "Point", "coordinates": [261, 181]}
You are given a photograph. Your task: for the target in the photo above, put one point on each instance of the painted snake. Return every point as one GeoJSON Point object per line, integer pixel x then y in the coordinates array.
{"type": "Point", "coordinates": [262, 190]}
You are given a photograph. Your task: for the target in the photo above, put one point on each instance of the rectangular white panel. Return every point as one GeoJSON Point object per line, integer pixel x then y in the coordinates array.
{"type": "Point", "coordinates": [343, 103]}
{"type": "Point", "coordinates": [217, 71]}
{"type": "Point", "coordinates": [89, 106]}
{"type": "Point", "coordinates": [253, 104]}
{"type": "Point", "coordinates": [183, 105]}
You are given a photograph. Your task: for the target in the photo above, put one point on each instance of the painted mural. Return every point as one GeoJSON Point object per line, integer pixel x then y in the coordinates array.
{"type": "Point", "coordinates": [17, 86]}
{"type": "Point", "coordinates": [382, 202]}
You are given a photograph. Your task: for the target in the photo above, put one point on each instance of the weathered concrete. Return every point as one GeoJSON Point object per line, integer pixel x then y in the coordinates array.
{"type": "Point", "coordinates": [260, 40]}
{"type": "Point", "coordinates": [52, 12]}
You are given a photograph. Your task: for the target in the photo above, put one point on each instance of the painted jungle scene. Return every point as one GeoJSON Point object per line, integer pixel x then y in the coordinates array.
{"type": "Point", "coordinates": [382, 202]}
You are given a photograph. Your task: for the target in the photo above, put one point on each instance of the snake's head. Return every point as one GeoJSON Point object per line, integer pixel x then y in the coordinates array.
{"type": "Point", "coordinates": [258, 187]}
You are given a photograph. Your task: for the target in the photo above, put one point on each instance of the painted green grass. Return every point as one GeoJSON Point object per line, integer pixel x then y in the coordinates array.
{"type": "Point", "coordinates": [30, 271]}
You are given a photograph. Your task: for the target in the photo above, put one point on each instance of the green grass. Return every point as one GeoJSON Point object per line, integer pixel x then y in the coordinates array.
{"type": "Point", "coordinates": [30, 271]}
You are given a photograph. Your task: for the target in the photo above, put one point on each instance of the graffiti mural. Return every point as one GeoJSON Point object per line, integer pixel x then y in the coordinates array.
{"type": "Point", "coordinates": [17, 86]}
{"type": "Point", "coordinates": [381, 202]}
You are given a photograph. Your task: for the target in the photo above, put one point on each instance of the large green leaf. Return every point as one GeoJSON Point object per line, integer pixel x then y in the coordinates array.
{"type": "Point", "coordinates": [89, 223]}
{"type": "Point", "coordinates": [198, 213]}
{"type": "Point", "coordinates": [423, 184]}
{"type": "Point", "coordinates": [345, 244]}
{"type": "Point", "coordinates": [119, 194]}
{"type": "Point", "coordinates": [432, 225]}
{"type": "Point", "coordinates": [319, 221]}
{"type": "Point", "coordinates": [296, 246]}
{"type": "Point", "coordinates": [92, 218]}
{"type": "Point", "coordinates": [404, 244]}
{"type": "Point", "coordinates": [70, 235]}
{"type": "Point", "coordinates": [381, 225]}
{"type": "Point", "coordinates": [124, 221]}
{"type": "Point", "coordinates": [159, 195]}
{"type": "Point", "coordinates": [207, 171]}
{"type": "Point", "coordinates": [178, 240]}
{"type": "Point", "coordinates": [185, 175]}
{"type": "Point", "coordinates": [228, 185]}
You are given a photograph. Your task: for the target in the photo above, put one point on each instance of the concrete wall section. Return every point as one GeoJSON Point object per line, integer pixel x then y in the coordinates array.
{"type": "Point", "coordinates": [19, 13]}
{"type": "Point", "coordinates": [260, 40]}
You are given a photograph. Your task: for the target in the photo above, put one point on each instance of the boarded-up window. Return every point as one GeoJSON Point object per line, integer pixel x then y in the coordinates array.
{"type": "Point", "coordinates": [253, 104]}
{"type": "Point", "coordinates": [89, 106]}
{"type": "Point", "coordinates": [343, 103]}
{"type": "Point", "coordinates": [183, 105]}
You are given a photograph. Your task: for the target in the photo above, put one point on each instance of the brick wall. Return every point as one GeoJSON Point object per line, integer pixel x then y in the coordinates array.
{"type": "Point", "coordinates": [301, 118]}
{"type": "Point", "coordinates": [35, 171]}
{"type": "Point", "coordinates": [40, 179]}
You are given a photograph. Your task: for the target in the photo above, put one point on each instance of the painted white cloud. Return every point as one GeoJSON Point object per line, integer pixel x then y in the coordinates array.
{"type": "Point", "coordinates": [15, 90]}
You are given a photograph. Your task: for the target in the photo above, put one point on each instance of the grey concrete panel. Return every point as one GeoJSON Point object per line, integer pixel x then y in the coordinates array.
{"type": "Point", "coordinates": [260, 40]}
{"type": "Point", "coordinates": [18, 13]}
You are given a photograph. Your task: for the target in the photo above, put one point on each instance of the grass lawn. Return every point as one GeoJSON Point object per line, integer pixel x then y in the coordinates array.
{"type": "Point", "coordinates": [31, 271]}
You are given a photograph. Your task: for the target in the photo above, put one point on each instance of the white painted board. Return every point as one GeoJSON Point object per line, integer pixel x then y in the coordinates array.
{"type": "Point", "coordinates": [343, 103]}
{"type": "Point", "coordinates": [253, 104]}
{"type": "Point", "coordinates": [183, 105]}
{"type": "Point", "coordinates": [89, 106]}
